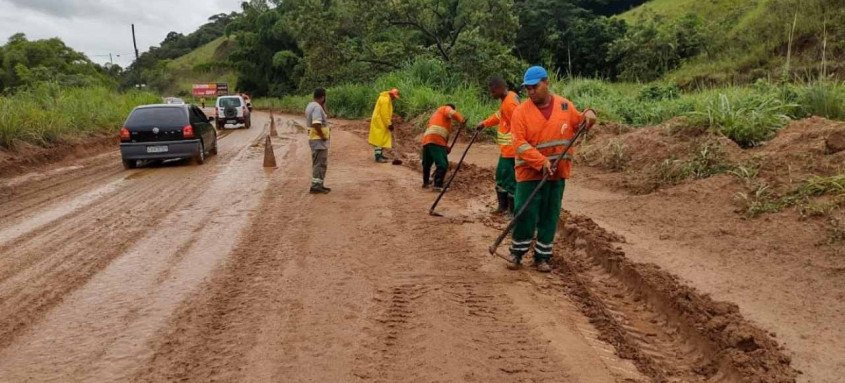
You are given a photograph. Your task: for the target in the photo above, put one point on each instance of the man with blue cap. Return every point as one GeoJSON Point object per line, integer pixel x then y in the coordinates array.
{"type": "Point", "coordinates": [541, 127]}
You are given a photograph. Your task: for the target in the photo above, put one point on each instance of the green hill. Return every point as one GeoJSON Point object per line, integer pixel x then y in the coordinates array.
{"type": "Point", "coordinates": [205, 64]}
{"type": "Point", "coordinates": [750, 39]}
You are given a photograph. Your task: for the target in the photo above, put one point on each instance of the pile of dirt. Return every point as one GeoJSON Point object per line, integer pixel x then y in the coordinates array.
{"type": "Point", "coordinates": [733, 346]}
{"type": "Point", "coordinates": [805, 148]}
{"type": "Point", "coordinates": [653, 157]}
{"type": "Point", "coordinates": [25, 156]}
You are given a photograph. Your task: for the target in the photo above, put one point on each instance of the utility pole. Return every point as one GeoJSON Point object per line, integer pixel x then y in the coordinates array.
{"type": "Point", "coordinates": [135, 45]}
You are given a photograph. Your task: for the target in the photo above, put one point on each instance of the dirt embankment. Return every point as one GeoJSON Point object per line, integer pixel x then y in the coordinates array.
{"type": "Point", "coordinates": [25, 157]}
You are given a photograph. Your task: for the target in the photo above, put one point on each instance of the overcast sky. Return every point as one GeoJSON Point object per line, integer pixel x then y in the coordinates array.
{"type": "Point", "coordinates": [100, 27]}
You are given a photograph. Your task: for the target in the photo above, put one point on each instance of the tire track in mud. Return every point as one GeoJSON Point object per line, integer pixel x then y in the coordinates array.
{"type": "Point", "coordinates": [673, 332]}
{"type": "Point", "coordinates": [447, 321]}
{"type": "Point", "coordinates": [50, 260]}
{"type": "Point", "coordinates": [208, 337]}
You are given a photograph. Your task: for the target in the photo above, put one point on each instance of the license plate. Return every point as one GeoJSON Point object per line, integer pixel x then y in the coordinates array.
{"type": "Point", "coordinates": [232, 122]}
{"type": "Point", "coordinates": [157, 149]}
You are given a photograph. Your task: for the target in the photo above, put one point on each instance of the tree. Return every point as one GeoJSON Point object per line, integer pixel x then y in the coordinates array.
{"type": "Point", "coordinates": [568, 38]}
{"type": "Point", "coordinates": [26, 63]}
{"type": "Point", "coordinates": [652, 48]}
{"type": "Point", "coordinates": [266, 56]}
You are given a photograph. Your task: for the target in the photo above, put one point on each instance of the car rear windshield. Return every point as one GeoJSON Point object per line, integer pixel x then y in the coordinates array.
{"type": "Point", "coordinates": [228, 101]}
{"type": "Point", "coordinates": [162, 117]}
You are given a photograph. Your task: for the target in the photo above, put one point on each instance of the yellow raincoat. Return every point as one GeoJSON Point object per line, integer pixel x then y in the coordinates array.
{"type": "Point", "coordinates": [380, 136]}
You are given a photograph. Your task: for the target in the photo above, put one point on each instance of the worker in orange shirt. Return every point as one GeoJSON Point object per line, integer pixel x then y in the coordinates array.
{"type": "Point", "coordinates": [505, 176]}
{"type": "Point", "coordinates": [542, 127]}
{"type": "Point", "coordinates": [435, 143]}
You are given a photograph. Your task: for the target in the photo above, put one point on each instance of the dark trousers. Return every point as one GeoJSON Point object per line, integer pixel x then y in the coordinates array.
{"type": "Point", "coordinates": [434, 154]}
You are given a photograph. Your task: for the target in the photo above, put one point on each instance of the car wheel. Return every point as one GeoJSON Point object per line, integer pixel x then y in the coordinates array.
{"type": "Point", "coordinates": [248, 122]}
{"type": "Point", "coordinates": [213, 150]}
{"type": "Point", "coordinates": [199, 158]}
{"type": "Point", "coordinates": [130, 164]}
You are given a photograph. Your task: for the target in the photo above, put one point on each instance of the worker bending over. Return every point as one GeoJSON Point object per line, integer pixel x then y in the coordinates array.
{"type": "Point", "coordinates": [435, 143]}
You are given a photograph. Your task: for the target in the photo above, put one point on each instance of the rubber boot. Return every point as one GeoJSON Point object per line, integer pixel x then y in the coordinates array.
{"type": "Point", "coordinates": [515, 263]}
{"type": "Point", "coordinates": [503, 203]}
{"type": "Point", "coordinates": [543, 266]}
{"type": "Point", "coordinates": [439, 176]}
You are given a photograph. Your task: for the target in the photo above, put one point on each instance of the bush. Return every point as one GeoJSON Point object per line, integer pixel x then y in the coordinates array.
{"type": "Point", "coordinates": [747, 119]}
{"type": "Point", "coordinates": [825, 99]}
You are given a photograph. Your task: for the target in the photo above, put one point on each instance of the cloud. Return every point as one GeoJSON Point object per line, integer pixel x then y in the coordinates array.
{"type": "Point", "coordinates": [100, 27]}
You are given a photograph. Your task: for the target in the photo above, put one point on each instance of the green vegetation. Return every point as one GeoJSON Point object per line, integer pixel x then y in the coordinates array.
{"type": "Point", "coordinates": [24, 63]}
{"type": "Point", "coordinates": [748, 115]}
{"type": "Point", "coordinates": [425, 85]}
{"type": "Point", "coordinates": [51, 93]}
{"type": "Point", "coordinates": [817, 196]}
{"type": "Point", "coordinates": [207, 63]}
{"type": "Point", "coordinates": [154, 68]}
{"type": "Point", "coordinates": [749, 40]}
{"type": "Point", "coordinates": [49, 113]}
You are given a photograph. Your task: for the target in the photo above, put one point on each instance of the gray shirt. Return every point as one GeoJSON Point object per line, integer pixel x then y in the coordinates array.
{"type": "Point", "coordinates": [314, 114]}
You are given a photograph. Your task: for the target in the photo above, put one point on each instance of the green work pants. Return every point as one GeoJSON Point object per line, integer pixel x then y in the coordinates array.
{"type": "Point", "coordinates": [434, 154]}
{"type": "Point", "coordinates": [506, 176]}
{"type": "Point", "coordinates": [540, 218]}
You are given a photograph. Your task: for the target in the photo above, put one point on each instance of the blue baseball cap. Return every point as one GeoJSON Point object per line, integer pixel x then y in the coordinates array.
{"type": "Point", "coordinates": [534, 75]}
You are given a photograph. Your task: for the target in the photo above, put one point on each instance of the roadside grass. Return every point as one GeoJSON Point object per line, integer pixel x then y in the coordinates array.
{"type": "Point", "coordinates": [816, 196]}
{"type": "Point", "coordinates": [49, 114]}
{"type": "Point", "coordinates": [424, 85]}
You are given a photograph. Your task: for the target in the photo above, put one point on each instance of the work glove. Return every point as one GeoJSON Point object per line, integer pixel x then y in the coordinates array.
{"type": "Point", "coordinates": [480, 126]}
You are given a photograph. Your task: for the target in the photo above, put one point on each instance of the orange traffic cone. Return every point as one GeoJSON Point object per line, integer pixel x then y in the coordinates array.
{"type": "Point", "coordinates": [269, 156]}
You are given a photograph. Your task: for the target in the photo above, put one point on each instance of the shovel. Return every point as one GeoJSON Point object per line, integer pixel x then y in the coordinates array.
{"type": "Point", "coordinates": [458, 167]}
{"type": "Point", "coordinates": [581, 129]}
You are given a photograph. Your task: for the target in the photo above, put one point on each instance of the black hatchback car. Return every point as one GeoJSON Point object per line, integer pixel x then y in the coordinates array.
{"type": "Point", "coordinates": [160, 132]}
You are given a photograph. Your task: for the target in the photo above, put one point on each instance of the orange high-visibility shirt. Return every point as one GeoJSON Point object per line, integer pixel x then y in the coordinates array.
{"type": "Point", "coordinates": [504, 138]}
{"type": "Point", "coordinates": [440, 126]}
{"type": "Point", "coordinates": [536, 138]}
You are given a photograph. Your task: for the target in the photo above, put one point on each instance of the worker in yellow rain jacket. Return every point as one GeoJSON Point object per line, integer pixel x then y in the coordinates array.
{"type": "Point", "coordinates": [381, 124]}
{"type": "Point", "coordinates": [435, 143]}
{"type": "Point", "coordinates": [505, 176]}
{"type": "Point", "coordinates": [542, 127]}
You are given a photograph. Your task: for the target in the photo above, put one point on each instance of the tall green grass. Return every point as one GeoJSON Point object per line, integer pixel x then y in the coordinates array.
{"type": "Point", "coordinates": [748, 115]}
{"type": "Point", "coordinates": [50, 114]}
{"type": "Point", "coordinates": [424, 85]}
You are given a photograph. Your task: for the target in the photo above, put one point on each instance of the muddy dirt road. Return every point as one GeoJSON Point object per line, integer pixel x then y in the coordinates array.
{"type": "Point", "coordinates": [229, 272]}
